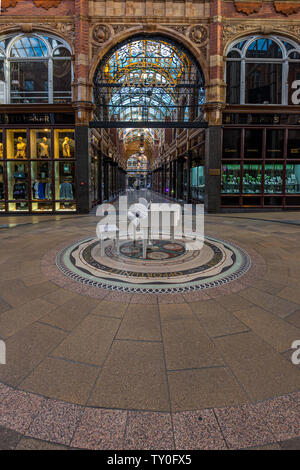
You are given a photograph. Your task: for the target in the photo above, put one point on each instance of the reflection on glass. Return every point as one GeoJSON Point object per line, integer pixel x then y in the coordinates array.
{"type": "Point", "coordinates": [64, 145]}
{"type": "Point", "coordinates": [16, 144]}
{"type": "Point", "coordinates": [40, 143]}
{"type": "Point", "coordinates": [29, 82]}
{"type": "Point", "coordinates": [197, 183]}
{"type": "Point", "coordinates": [252, 179]}
{"type": "Point", "coordinates": [293, 150]}
{"type": "Point", "coordinates": [275, 142]}
{"type": "Point", "coordinates": [273, 179]}
{"type": "Point", "coordinates": [293, 179]}
{"type": "Point", "coordinates": [231, 143]}
{"type": "Point", "coordinates": [17, 180]}
{"type": "Point", "coordinates": [231, 178]}
{"type": "Point", "coordinates": [263, 83]}
{"type": "Point", "coordinates": [253, 143]}
{"type": "Point", "coordinates": [233, 72]}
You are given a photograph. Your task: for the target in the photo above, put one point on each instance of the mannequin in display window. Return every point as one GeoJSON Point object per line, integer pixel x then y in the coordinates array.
{"type": "Point", "coordinates": [21, 148]}
{"type": "Point", "coordinates": [43, 148]}
{"type": "Point", "coordinates": [66, 149]}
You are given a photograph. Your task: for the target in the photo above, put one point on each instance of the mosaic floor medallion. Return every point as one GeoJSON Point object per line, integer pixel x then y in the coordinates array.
{"type": "Point", "coordinates": [168, 268]}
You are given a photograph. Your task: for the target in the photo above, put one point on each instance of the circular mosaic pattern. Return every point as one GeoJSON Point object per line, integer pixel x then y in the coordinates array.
{"type": "Point", "coordinates": [158, 249]}
{"type": "Point", "coordinates": [169, 267]}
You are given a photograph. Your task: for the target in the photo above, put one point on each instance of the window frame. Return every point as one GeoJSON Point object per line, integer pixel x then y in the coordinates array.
{"type": "Point", "coordinates": [49, 58]}
{"type": "Point", "coordinates": [284, 61]}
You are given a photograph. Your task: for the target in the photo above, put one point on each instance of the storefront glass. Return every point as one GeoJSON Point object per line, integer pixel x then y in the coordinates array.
{"type": "Point", "coordinates": [37, 173]}
{"type": "Point", "coordinates": [252, 179]}
{"type": "Point", "coordinates": [253, 143]}
{"type": "Point", "coordinates": [273, 181]}
{"type": "Point", "coordinates": [292, 179]}
{"type": "Point", "coordinates": [2, 192]}
{"type": "Point", "coordinates": [231, 178]}
{"type": "Point", "coordinates": [197, 183]}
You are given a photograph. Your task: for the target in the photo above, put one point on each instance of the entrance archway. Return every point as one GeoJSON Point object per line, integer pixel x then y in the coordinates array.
{"type": "Point", "coordinates": [151, 88]}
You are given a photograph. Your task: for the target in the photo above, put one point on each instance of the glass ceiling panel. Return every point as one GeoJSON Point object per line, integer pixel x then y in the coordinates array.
{"type": "Point", "coordinates": [147, 79]}
{"type": "Point", "coordinates": [29, 46]}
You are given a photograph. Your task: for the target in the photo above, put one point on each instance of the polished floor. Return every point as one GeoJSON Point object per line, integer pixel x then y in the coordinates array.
{"type": "Point", "coordinates": [91, 367]}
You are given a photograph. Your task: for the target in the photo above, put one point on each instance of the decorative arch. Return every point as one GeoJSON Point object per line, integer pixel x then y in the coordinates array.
{"type": "Point", "coordinates": [260, 69]}
{"type": "Point", "coordinates": [171, 92]}
{"type": "Point", "coordinates": [35, 68]}
{"type": "Point", "coordinates": [112, 40]}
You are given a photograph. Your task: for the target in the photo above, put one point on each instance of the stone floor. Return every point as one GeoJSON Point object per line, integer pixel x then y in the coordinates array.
{"type": "Point", "coordinates": [128, 371]}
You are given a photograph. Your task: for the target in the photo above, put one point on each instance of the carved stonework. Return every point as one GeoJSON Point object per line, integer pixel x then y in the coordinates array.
{"type": "Point", "coordinates": [65, 29]}
{"type": "Point", "coordinates": [247, 7]}
{"type": "Point", "coordinates": [46, 3]}
{"type": "Point", "coordinates": [233, 30]}
{"type": "Point", "coordinates": [118, 28]}
{"type": "Point", "coordinates": [38, 3]}
{"type": "Point", "coordinates": [101, 33]}
{"type": "Point", "coordinates": [287, 8]}
{"type": "Point", "coordinates": [179, 28]}
{"type": "Point", "coordinates": [204, 51]}
{"type": "Point", "coordinates": [198, 34]}
{"type": "Point", "coordinates": [8, 3]}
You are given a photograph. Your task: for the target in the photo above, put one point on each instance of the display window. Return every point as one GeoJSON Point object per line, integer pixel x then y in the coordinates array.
{"type": "Point", "coordinates": [253, 143]}
{"type": "Point", "coordinates": [64, 143]}
{"type": "Point", "coordinates": [292, 183]}
{"type": "Point", "coordinates": [18, 206]}
{"type": "Point", "coordinates": [40, 144]}
{"type": "Point", "coordinates": [31, 179]}
{"type": "Point", "coordinates": [41, 180]}
{"type": "Point", "coordinates": [252, 179]}
{"type": "Point", "coordinates": [275, 143]}
{"type": "Point", "coordinates": [1, 145]}
{"type": "Point", "coordinates": [64, 185]}
{"type": "Point", "coordinates": [231, 143]}
{"type": "Point", "coordinates": [17, 179]}
{"type": "Point", "coordinates": [273, 180]}
{"type": "Point", "coordinates": [293, 147]}
{"type": "Point", "coordinates": [2, 189]}
{"type": "Point", "coordinates": [16, 144]}
{"type": "Point", "coordinates": [231, 178]}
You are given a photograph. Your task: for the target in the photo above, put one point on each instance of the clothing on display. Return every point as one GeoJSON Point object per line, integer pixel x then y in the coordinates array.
{"type": "Point", "coordinates": [66, 191]}
{"type": "Point", "coordinates": [20, 190]}
{"type": "Point", "coordinates": [41, 190]}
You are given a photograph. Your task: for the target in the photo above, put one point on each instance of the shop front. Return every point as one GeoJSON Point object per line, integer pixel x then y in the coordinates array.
{"type": "Point", "coordinates": [37, 163]}
{"type": "Point", "coordinates": [261, 161]}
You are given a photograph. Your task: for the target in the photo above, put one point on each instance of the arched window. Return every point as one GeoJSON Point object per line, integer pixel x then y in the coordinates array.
{"type": "Point", "coordinates": [261, 70]}
{"type": "Point", "coordinates": [35, 68]}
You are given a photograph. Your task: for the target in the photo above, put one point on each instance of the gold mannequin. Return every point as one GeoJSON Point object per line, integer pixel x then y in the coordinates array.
{"type": "Point", "coordinates": [21, 148]}
{"type": "Point", "coordinates": [43, 148]}
{"type": "Point", "coordinates": [1, 150]}
{"type": "Point", "coordinates": [66, 147]}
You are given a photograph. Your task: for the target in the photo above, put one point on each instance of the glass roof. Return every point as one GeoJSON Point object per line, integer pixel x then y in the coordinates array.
{"type": "Point", "coordinates": [147, 79]}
